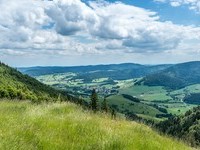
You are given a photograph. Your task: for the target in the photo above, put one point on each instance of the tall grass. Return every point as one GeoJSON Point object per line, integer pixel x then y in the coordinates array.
{"type": "Point", "coordinates": [65, 126]}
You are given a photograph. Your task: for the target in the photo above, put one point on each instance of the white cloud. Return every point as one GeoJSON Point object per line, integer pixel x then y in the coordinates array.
{"type": "Point", "coordinates": [136, 28]}
{"type": "Point", "coordinates": [71, 16]}
{"type": "Point", "coordinates": [55, 28]}
{"type": "Point", "coordinates": [192, 4]}
{"type": "Point", "coordinates": [25, 26]}
{"type": "Point", "coordinates": [175, 4]}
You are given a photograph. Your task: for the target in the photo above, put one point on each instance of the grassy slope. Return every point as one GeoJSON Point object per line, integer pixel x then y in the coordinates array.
{"type": "Point", "coordinates": [138, 108]}
{"type": "Point", "coordinates": [67, 126]}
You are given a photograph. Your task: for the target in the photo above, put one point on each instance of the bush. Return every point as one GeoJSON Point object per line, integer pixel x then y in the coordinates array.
{"type": "Point", "coordinates": [129, 97]}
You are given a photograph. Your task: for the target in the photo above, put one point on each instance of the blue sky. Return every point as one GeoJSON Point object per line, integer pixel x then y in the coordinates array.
{"type": "Point", "coordinates": [178, 15]}
{"type": "Point", "coordinates": [75, 32]}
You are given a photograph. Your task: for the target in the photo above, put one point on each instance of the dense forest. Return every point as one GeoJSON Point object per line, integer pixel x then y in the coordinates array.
{"type": "Point", "coordinates": [15, 85]}
{"type": "Point", "coordinates": [193, 98]}
{"type": "Point", "coordinates": [186, 127]}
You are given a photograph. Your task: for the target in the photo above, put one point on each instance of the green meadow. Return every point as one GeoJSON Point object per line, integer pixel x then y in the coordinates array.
{"type": "Point", "coordinates": [66, 126]}
{"type": "Point", "coordinates": [148, 93]}
{"type": "Point", "coordinates": [125, 105]}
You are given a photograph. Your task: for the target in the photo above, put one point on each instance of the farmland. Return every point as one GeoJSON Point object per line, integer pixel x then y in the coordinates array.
{"type": "Point", "coordinates": [152, 98]}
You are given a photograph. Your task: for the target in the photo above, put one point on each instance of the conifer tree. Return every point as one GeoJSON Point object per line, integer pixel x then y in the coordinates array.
{"type": "Point", "coordinates": [105, 105]}
{"type": "Point", "coordinates": [59, 97]}
{"type": "Point", "coordinates": [94, 100]}
{"type": "Point", "coordinates": [113, 113]}
{"type": "Point", "coordinates": [80, 100]}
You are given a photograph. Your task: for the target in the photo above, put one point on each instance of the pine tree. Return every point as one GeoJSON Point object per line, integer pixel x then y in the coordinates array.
{"type": "Point", "coordinates": [105, 105]}
{"type": "Point", "coordinates": [113, 114]}
{"type": "Point", "coordinates": [59, 97]}
{"type": "Point", "coordinates": [94, 100]}
{"type": "Point", "coordinates": [80, 100]}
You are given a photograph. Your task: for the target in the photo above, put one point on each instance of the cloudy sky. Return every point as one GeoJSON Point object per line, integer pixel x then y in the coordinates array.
{"type": "Point", "coordinates": [82, 32]}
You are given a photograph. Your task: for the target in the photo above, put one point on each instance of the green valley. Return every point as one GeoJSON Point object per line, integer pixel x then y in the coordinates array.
{"type": "Point", "coordinates": [100, 75]}
{"type": "Point", "coordinates": [126, 99]}
{"type": "Point", "coordinates": [152, 98]}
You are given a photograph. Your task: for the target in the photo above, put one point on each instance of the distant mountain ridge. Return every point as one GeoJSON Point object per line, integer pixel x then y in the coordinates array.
{"type": "Point", "coordinates": [170, 76]}
{"type": "Point", "coordinates": [114, 71]}
{"type": "Point", "coordinates": [42, 70]}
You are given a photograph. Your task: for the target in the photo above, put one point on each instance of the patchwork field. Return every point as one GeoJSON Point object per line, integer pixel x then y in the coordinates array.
{"type": "Point", "coordinates": [148, 93]}
{"type": "Point", "coordinates": [156, 102]}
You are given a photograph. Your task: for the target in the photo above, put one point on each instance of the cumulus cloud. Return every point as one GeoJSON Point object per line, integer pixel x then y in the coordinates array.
{"type": "Point", "coordinates": [71, 16]}
{"type": "Point", "coordinates": [137, 28]}
{"type": "Point", "coordinates": [55, 27]}
{"type": "Point", "coordinates": [25, 25]}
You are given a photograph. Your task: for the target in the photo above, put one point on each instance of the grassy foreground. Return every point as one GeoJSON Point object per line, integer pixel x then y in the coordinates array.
{"type": "Point", "coordinates": [65, 126]}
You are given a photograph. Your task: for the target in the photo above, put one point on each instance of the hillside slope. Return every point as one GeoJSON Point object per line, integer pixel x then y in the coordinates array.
{"type": "Point", "coordinates": [15, 85]}
{"type": "Point", "coordinates": [67, 126]}
{"type": "Point", "coordinates": [175, 77]}
{"type": "Point", "coordinates": [185, 127]}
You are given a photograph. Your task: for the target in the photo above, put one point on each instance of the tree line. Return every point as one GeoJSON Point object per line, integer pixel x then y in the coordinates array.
{"type": "Point", "coordinates": [186, 127]}
{"type": "Point", "coordinates": [95, 106]}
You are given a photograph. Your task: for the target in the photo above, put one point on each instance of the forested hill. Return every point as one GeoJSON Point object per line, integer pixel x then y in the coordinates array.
{"type": "Point", "coordinates": [15, 85]}
{"type": "Point", "coordinates": [176, 76]}
{"type": "Point", "coordinates": [186, 127]}
{"type": "Point", "coordinates": [114, 71]}
{"type": "Point", "coordinates": [35, 71]}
